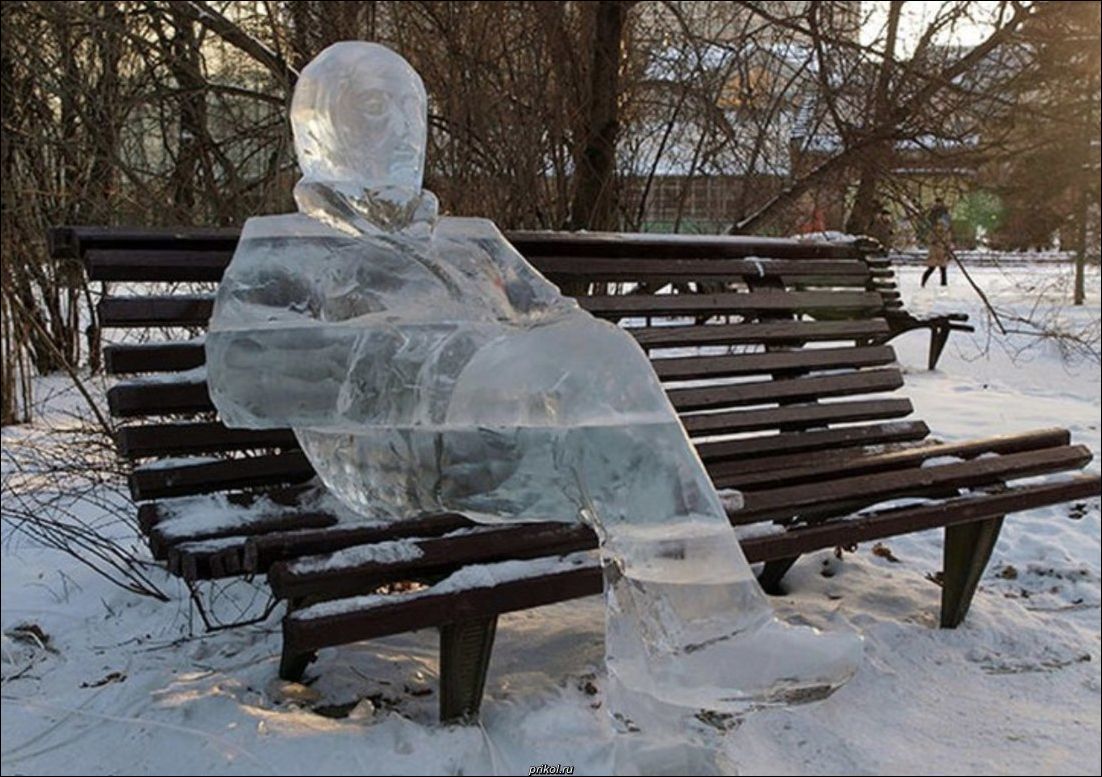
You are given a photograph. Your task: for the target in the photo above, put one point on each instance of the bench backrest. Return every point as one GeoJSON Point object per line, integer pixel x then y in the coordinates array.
{"type": "Point", "coordinates": [748, 334]}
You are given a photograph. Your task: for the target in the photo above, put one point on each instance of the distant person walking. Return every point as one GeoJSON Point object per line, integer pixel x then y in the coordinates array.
{"type": "Point", "coordinates": [940, 224]}
{"type": "Point", "coordinates": [882, 227]}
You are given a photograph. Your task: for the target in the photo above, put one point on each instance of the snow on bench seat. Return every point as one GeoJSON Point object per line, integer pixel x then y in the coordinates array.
{"type": "Point", "coordinates": [471, 578]}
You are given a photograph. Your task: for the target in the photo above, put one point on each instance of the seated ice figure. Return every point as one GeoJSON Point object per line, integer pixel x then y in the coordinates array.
{"type": "Point", "coordinates": [426, 367]}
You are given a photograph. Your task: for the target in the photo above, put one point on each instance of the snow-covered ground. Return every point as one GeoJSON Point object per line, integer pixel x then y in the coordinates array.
{"type": "Point", "coordinates": [99, 680]}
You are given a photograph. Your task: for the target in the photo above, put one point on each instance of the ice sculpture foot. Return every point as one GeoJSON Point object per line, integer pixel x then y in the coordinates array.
{"type": "Point", "coordinates": [673, 726]}
{"type": "Point", "coordinates": [771, 663]}
{"type": "Point", "coordinates": [688, 626]}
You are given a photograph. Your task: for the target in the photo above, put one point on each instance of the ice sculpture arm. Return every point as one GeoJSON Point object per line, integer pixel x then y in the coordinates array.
{"type": "Point", "coordinates": [267, 362]}
{"type": "Point", "coordinates": [528, 294]}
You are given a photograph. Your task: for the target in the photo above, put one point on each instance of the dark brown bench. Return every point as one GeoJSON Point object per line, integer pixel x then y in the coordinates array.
{"type": "Point", "coordinates": [790, 405]}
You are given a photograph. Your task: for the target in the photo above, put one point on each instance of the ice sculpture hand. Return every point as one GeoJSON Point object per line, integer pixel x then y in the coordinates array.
{"type": "Point", "coordinates": [426, 367]}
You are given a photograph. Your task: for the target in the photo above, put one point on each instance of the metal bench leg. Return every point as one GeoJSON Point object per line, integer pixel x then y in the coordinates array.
{"type": "Point", "coordinates": [465, 649]}
{"type": "Point", "coordinates": [968, 548]}
{"type": "Point", "coordinates": [939, 335]}
{"type": "Point", "coordinates": [774, 571]}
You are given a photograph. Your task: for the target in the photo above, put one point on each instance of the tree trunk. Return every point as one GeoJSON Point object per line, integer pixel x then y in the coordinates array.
{"type": "Point", "coordinates": [594, 204]}
{"type": "Point", "coordinates": [877, 158]}
{"type": "Point", "coordinates": [1087, 176]}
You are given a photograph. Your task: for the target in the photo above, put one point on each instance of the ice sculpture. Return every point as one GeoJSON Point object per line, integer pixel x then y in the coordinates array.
{"type": "Point", "coordinates": [426, 367]}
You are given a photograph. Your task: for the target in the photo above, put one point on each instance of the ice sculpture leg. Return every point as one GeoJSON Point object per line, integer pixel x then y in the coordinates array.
{"type": "Point", "coordinates": [687, 622]}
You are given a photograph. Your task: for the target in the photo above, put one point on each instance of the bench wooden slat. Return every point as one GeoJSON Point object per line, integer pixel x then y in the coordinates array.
{"type": "Point", "coordinates": [128, 400]}
{"type": "Point", "coordinates": [485, 544]}
{"type": "Point", "coordinates": [890, 523]}
{"type": "Point", "coordinates": [817, 498]}
{"type": "Point", "coordinates": [156, 310]}
{"type": "Point", "coordinates": [224, 475]}
{"type": "Point", "coordinates": [695, 367]}
{"type": "Point", "coordinates": [164, 265]}
{"type": "Point", "coordinates": [536, 244]}
{"type": "Point", "coordinates": [834, 465]}
{"type": "Point", "coordinates": [795, 416]}
{"type": "Point", "coordinates": [599, 268]}
{"type": "Point", "coordinates": [725, 473]}
{"type": "Point", "coordinates": [164, 534]}
{"type": "Point", "coordinates": [153, 357]}
{"type": "Point", "coordinates": [204, 265]}
{"type": "Point", "coordinates": [754, 471]}
{"type": "Point", "coordinates": [715, 453]}
{"type": "Point", "coordinates": [187, 439]}
{"type": "Point", "coordinates": [745, 303]}
{"type": "Point", "coordinates": [302, 634]}
{"type": "Point", "coordinates": [763, 332]}
{"type": "Point", "coordinates": [772, 391]}
{"type": "Point", "coordinates": [262, 551]}
{"type": "Point", "coordinates": [72, 241]}
{"type": "Point", "coordinates": [152, 513]}
{"type": "Point", "coordinates": [137, 400]}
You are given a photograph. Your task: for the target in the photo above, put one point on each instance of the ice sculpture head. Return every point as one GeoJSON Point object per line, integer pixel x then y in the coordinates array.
{"type": "Point", "coordinates": [359, 117]}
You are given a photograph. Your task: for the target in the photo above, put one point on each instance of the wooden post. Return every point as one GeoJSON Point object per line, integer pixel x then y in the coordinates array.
{"type": "Point", "coordinates": [774, 571]}
{"type": "Point", "coordinates": [465, 649]}
{"type": "Point", "coordinates": [939, 335]}
{"type": "Point", "coordinates": [968, 548]}
{"type": "Point", "coordinates": [293, 663]}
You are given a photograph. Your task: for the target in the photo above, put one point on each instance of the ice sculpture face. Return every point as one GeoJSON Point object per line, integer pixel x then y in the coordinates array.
{"type": "Point", "coordinates": [359, 114]}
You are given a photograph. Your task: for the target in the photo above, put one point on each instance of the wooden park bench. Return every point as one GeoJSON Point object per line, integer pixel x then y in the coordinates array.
{"type": "Point", "coordinates": [779, 379]}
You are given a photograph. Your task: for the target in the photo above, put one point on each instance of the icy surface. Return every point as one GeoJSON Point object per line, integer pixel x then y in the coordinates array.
{"type": "Point", "coordinates": [426, 367]}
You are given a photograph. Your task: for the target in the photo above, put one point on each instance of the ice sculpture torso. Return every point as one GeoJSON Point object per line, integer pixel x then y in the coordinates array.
{"type": "Point", "coordinates": [429, 373]}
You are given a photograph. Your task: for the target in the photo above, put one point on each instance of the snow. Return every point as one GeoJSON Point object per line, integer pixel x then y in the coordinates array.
{"type": "Point", "coordinates": [391, 552]}
{"type": "Point", "coordinates": [755, 530]}
{"type": "Point", "coordinates": [194, 375]}
{"type": "Point", "coordinates": [937, 461]}
{"type": "Point", "coordinates": [214, 513]}
{"type": "Point", "coordinates": [127, 684]}
{"type": "Point", "coordinates": [731, 498]}
{"type": "Point", "coordinates": [171, 462]}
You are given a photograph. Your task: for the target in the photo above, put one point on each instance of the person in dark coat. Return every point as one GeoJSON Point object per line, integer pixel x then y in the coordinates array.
{"type": "Point", "coordinates": [882, 227]}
